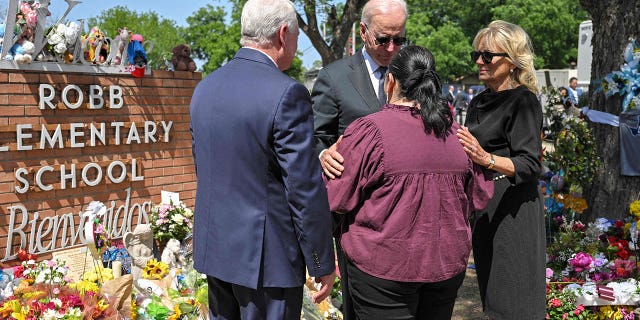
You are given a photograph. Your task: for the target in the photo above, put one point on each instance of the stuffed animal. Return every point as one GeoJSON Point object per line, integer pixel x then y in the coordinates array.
{"type": "Point", "coordinates": [121, 42]}
{"type": "Point", "coordinates": [96, 46]}
{"type": "Point", "coordinates": [136, 52]}
{"type": "Point", "coordinates": [21, 52]}
{"type": "Point", "coordinates": [181, 59]}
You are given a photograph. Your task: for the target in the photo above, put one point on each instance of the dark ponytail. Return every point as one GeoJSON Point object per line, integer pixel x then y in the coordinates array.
{"type": "Point", "coordinates": [414, 69]}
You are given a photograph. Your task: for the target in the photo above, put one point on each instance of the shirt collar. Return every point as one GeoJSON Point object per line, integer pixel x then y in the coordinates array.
{"type": "Point", "coordinates": [372, 66]}
{"type": "Point", "coordinates": [268, 56]}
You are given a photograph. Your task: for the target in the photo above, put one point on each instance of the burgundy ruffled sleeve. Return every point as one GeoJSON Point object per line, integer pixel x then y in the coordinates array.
{"type": "Point", "coordinates": [362, 152]}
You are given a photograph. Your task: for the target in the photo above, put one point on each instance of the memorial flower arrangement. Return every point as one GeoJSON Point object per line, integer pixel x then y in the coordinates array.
{"type": "Point", "coordinates": [184, 297]}
{"type": "Point", "coordinates": [171, 221]}
{"type": "Point", "coordinates": [562, 305]}
{"type": "Point", "coordinates": [62, 38]}
{"type": "Point", "coordinates": [42, 292]}
{"type": "Point", "coordinates": [626, 81]}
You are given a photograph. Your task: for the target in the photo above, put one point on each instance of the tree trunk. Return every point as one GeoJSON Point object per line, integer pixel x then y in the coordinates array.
{"type": "Point", "coordinates": [340, 26]}
{"type": "Point", "coordinates": [614, 23]}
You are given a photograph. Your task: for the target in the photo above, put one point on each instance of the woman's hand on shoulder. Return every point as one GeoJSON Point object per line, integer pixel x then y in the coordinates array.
{"type": "Point", "coordinates": [472, 147]}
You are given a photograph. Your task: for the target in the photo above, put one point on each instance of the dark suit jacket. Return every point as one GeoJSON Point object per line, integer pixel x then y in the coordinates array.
{"type": "Point", "coordinates": [261, 210]}
{"type": "Point", "coordinates": [343, 92]}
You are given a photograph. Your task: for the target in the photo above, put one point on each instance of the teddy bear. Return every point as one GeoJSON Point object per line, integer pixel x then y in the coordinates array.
{"type": "Point", "coordinates": [22, 52]}
{"type": "Point", "coordinates": [181, 59]}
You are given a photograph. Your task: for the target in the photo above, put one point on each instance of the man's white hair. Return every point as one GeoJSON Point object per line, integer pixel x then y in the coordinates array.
{"type": "Point", "coordinates": [261, 19]}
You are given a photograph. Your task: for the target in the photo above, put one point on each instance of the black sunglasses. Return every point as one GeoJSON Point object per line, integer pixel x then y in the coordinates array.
{"type": "Point", "coordinates": [384, 40]}
{"type": "Point", "coordinates": [487, 56]}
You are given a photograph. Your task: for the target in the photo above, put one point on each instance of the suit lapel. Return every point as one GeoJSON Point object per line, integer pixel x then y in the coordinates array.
{"type": "Point", "coordinates": [359, 76]}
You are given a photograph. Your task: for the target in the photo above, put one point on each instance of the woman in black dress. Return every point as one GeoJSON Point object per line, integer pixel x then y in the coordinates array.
{"type": "Point", "coordinates": [502, 133]}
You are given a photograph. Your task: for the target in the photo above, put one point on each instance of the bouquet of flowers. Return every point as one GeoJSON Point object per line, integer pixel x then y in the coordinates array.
{"type": "Point", "coordinates": [42, 293]}
{"type": "Point", "coordinates": [171, 221]}
{"type": "Point", "coordinates": [562, 305]}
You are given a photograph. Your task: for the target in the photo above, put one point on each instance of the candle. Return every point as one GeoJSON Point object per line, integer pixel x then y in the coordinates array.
{"type": "Point", "coordinates": [116, 266]}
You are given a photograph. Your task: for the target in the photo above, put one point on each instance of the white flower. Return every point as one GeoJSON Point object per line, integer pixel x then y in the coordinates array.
{"type": "Point", "coordinates": [54, 39]}
{"type": "Point", "coordinates": [51, 314]}
{"type": "Point", "coordinates": [61, 29]}
{"type": "Point", "coordinates": [178, 218]}
{"type": "Point", "coordinates": [40, 278]}
{"type": "Point", "coordinates": [60, 48]}
{"type": "Point", "coordinates": [188, 213]}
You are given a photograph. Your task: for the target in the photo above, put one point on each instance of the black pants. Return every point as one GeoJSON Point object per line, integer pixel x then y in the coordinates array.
{"type": "Point", "coordinates": [375, 298]}
{"type": "Point", "coordinates": [228, 301]}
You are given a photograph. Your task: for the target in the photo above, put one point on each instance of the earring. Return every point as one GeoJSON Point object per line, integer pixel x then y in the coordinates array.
{"type": "Point", "coordinates": [510, 70]}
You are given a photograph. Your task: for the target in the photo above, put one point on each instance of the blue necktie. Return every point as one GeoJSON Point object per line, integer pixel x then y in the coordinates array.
{"type": "Point", "coordinates": [382, 97]}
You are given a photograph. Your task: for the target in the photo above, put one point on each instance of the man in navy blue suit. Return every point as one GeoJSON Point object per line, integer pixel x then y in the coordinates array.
{"type": "Point", "coordinates": [261, 207]}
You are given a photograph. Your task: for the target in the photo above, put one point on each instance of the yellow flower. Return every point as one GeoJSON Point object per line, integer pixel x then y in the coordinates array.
{"type": "Point", "coordinates": [84, 286]}
{"type": "Point", "coordinates": [176, 313]}
{"type": "Point", "coordinates": [606, 312]}
{"type": "Point", "coordinates": [134, 310]}
{"type": "Point", "coordinates": [155, 270]}
{"type": "Point", "coordinates": [577, 204]}
{"type": "Point", "coordinates": [634, 209]}
{"type": "Point", "coordinates": [102, 305]}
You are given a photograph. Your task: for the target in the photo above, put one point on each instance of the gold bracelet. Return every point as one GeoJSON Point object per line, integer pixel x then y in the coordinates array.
{"type": "Point", "coordinates": [492, 162]}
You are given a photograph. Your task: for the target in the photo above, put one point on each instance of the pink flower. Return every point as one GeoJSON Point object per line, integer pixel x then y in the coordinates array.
{"type": "Point", "coordinates": [581, 261]}
{"type": "Point", "coordinates": [549, 273]}
{"type": "Point", "coordinates": [578, 310]}
{"type": "Point", "coordinates": [565, 315]}
{"type": "Point", "coordinates": [555, 302]}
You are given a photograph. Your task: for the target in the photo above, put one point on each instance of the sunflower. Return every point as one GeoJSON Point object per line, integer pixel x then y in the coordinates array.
{"type": "Point", "coordinates": [155, 270]}
{"type": "Point", "coordinates": [176, 313]}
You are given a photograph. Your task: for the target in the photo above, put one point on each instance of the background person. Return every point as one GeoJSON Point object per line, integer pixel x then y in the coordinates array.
{"type": "Point", "coordinates": [574, 91]}
{"type": "Point", "coordinates": [262, 206]}
{"type": "Point", "coordinates": [460, 106]}
{"type": "Point", "coordinates": [350, 88]}
{"type": "Point", "coordinates": [408, 185]}
{"type": "Point", "coordinates": [504, 135]}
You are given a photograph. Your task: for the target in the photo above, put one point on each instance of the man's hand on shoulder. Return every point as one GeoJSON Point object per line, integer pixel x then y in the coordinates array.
{"type": "Point", "coordinates": [331, 161]}
{"type": "Point", "coordinates": [326, 282]}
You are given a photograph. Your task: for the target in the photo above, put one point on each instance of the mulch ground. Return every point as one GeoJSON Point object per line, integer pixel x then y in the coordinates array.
{"type": "Point", "coordinates": [468, 305]}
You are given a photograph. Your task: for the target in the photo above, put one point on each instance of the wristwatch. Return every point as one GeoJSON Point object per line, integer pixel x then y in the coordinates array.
{"type": "Point", "coordinates": [492, 162]}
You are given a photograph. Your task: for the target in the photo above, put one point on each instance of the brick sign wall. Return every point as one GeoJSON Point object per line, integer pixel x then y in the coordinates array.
{"type": "Point", "coordinates": [127, 140]}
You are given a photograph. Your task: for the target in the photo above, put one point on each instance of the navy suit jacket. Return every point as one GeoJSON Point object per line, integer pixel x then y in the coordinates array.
{"type": "Point", "coordinates": [261, 212]}
{"type": "Point", "coordinates": [342, 93]}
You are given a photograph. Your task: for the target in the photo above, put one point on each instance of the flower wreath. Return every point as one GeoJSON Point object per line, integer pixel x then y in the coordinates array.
{"type": "Point", "coordinates": [626, 82]}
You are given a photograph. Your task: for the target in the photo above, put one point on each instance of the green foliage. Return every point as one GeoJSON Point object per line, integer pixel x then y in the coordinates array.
{"type": "Point", "coordinates": [452, 57]}
{"type": "Point", "coordinates": [164, 33]}
{"type": "Point", "coordinates": [576, 153]}
{"type": "Point", "coordinates": [211, 38]}
{"type": "Point", "coordinates": [552, 25]}
{"type": "Point", "coordinates": [295, 70]}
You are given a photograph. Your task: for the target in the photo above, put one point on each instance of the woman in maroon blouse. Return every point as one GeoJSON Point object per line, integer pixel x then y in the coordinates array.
{"type": "Point", "coordinates": [407, 189]}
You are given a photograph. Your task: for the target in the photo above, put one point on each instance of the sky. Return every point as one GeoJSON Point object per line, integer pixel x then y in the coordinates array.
{"type": "Point", "coordinates": [177, 11]}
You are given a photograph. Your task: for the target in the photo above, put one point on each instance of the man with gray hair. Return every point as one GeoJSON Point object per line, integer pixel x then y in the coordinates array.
{"type": "Point", "coordinates": [350, 88]}
{"type": "Point", "coordinates": [261, 207]}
